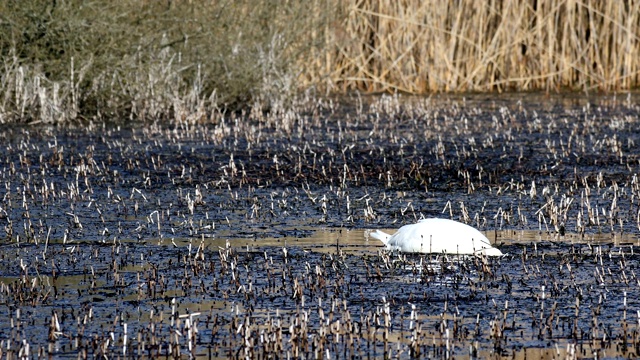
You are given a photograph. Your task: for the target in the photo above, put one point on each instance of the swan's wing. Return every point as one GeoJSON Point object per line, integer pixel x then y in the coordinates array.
{"type": "Point", "coordinates": [438, 236]}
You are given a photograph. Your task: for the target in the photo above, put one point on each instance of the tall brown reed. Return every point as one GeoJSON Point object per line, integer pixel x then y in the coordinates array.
{"type": "Point", "coordinates": [424, 46]}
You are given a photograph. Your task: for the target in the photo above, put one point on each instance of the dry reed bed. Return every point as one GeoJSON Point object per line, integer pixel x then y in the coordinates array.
{"type": "Point", "coordinates": [425, 46]}
{"type": "Point", "coordinates": [186, 60]}
{"type": "Point", "coordinates": [112, 233]}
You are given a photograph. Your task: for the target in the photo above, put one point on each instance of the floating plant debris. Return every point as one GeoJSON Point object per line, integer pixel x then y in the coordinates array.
{"type": "Point", "coordinates": [249, 236]}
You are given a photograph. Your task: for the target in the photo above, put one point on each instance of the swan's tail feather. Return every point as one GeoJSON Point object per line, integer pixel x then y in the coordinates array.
{"type": "Point", "coordinates": [381, 235]}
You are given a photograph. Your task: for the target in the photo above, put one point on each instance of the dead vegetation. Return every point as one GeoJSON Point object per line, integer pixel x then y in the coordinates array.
{"type": "Point", "coordinates": [183, 61]}
{"type": "Point", "coordinates": [231, 239]}
{"type": "Point", "coordinates": [426, 46]}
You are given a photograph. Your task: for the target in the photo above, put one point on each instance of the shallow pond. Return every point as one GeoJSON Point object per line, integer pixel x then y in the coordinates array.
{"type": "Point", "coordinates": [248, 236]}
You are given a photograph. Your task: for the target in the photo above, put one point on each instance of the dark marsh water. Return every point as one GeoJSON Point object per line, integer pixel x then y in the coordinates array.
{"type": "Point", "coordinates": [247, 236]}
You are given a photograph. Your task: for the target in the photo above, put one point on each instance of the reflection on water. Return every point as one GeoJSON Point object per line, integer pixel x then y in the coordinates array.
{"type": "Point", "coordinates": [358, 240]}
{"type": "Point", "coordinates": [509, 237]}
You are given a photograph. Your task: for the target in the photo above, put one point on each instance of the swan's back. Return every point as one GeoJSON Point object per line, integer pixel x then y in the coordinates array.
{"type": "Point", "coordinates": [440, 236]}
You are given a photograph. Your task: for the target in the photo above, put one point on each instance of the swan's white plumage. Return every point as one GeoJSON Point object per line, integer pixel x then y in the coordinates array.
{"type": "Point", "coordinates": [438, 236]}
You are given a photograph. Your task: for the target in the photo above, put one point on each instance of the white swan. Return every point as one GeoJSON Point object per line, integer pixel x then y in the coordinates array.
{"type": "Point", "coordinates": [438, 236]}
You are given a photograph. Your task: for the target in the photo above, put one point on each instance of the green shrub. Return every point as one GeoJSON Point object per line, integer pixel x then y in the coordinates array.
{"type": "Point", "coordinates": [64, 60]}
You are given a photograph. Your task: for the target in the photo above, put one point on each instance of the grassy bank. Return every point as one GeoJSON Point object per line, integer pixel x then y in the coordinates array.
{"type": "Point", "coordinates": [183, 60]}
